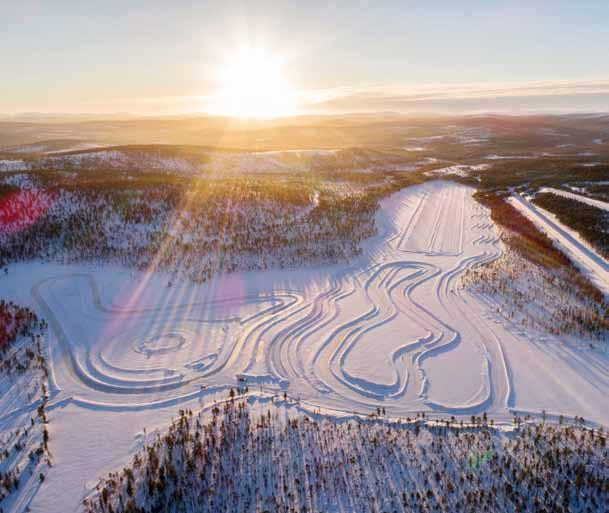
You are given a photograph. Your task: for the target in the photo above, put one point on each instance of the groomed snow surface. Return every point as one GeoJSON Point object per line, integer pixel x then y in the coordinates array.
{"type": "Point", "coordinates": [603, 205]}
{"type": "Point", "coordinates": [390, 329]}
{"type": "Point", "coordinates": [579, 251]}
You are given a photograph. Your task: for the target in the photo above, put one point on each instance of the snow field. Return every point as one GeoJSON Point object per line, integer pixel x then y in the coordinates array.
{"type": "Point", "coordinates": [390, 329]}
{"type": "Point", "coordinates": [383, 330]}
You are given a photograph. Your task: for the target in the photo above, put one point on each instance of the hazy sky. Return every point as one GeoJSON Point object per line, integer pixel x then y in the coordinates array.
{"type": "Point", "coordinates": [163, 57]}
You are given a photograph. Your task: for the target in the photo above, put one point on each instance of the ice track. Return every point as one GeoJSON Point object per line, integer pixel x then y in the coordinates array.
{"type": "Point", "coordinates": [390, 329]}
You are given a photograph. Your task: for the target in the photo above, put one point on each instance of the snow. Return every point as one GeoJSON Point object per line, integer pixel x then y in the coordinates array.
{"type": "Point", "coordinates": [129, 239]}
{"type": "Point", "coordinates": [506, 157]}
{"type": "Point", "coordinates": [391, 328]}
{"type": "Point", "coordinates": [474, 141]}
{"type": "Point", "coordinates": [429, 138]}
{"type": "Point", "coordinates": [577, 197]}
{"type": "Point", "coordinates": [21, 180]}
{"type": "Point", "coordinates": [270, 161]}
{"type": "Point", "coordinates": [579, 251]}
{"type": "Point", "coordinates": [115, 159]}
{"type": "Point", "coordinates": [75, 147]}
{"type": "Point", "coordinates": [280, 457]}
{"type": "Point", "coordinates": [470, 136]}
{"type": "Point", "coordinates": [297, 153]}
{"type": "Point", "coordinates": [461, 170]}
{"type": "Point", "coordinates": [297, 160]}
{"type": "Point", "coordinates": [8, 165]}
{"type": "Point", "coordinates": [120, 160]}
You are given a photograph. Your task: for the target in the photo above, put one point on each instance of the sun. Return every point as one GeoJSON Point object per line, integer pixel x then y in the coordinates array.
{"type": "Point", "coordinates": [252, 84]}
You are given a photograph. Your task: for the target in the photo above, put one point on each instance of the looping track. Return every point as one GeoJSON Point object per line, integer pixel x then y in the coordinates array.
{"type": "Point", "coordinates": [391, 329]}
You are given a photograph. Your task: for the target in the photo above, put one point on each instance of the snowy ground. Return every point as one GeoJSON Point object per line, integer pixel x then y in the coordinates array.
{"type": "Point", "coordinates": [281, 458]}
{"type": "Point", "coordinates": [603, 205]}
{"type": "Point", "coordinates": [390, 329]}
{"type": "Point", "coordinates": [207, 162]}
{"type": "Point", "coordinates": [461, 170]}
{"type": "Point", "coordinates": [579, 251]}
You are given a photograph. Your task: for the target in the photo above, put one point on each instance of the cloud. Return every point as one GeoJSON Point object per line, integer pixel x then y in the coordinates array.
{"type": "Point", "coordinates": [516, 97]}
{"type": "Point", "coordinates": [509, 98]}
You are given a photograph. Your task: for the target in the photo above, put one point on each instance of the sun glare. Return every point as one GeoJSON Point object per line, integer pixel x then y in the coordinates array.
{"type": "Point", "coordinates": [252, 85]}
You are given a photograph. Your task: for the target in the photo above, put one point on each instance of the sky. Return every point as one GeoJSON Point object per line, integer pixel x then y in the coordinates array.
{"type": "Point", "coordinates": [157, 57]}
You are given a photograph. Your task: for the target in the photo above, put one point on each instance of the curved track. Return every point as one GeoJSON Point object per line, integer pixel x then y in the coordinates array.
{"type": "Point", "coordinates": [385, 330]}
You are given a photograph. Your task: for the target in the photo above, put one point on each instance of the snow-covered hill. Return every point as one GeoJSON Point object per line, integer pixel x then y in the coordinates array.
{"type": "Point", "coordinates": [253, 457]}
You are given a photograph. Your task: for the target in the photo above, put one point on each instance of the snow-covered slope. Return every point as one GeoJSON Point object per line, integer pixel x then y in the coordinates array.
{"type": "Point", "coordinates": [258, 456]}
